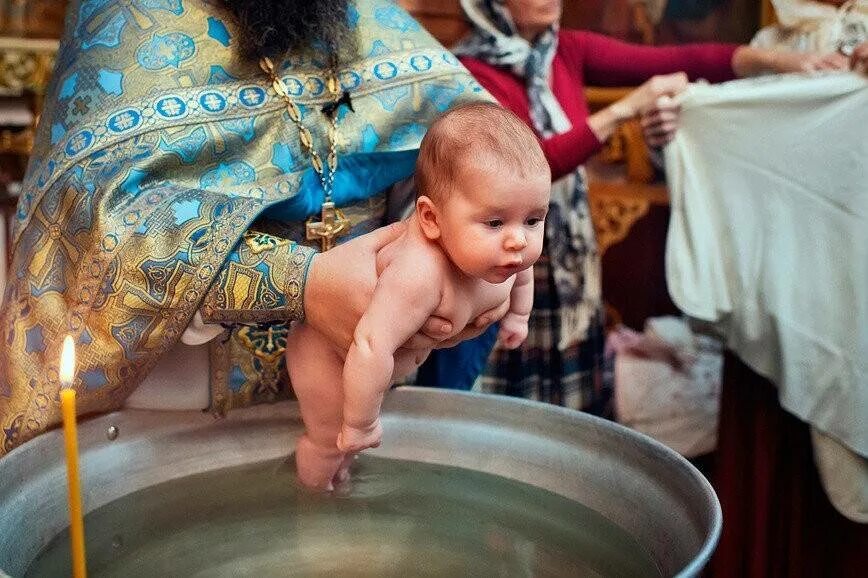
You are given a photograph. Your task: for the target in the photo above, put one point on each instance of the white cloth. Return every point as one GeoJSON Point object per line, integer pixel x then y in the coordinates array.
{"type": "Point", "coordinates": [769, 238]}
{"type": "Point", "coordinates": [198, 332]}
{"type": "Point", "coordinates": [805, 13]}
{"type": "Point", "coordinates": [807, 26]}
{"type": "Point", "coordinates": [667, 384]}
{"type": "Point", "coordinates": [844, 476]}
{"type": "Point", "coordinates": [179, 381]}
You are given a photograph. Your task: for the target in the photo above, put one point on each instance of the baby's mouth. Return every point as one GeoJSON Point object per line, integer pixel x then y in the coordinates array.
{"type": "Point", "coordinates": [510, 268]}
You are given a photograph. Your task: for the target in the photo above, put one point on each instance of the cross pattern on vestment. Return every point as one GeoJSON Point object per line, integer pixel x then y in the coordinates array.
{"type": "Point", "coordinates": [170, 106]}
{"type": "Point", "coordinates": [250, 97]}
{"type": "Point", "coordinates": [124, 121]}
{"type": "Point", "coordinates": [80, 105]}
{"type": "Point", "coordinates": [78, 142]}
{"type": "Point", "coordinates": [212, 102]}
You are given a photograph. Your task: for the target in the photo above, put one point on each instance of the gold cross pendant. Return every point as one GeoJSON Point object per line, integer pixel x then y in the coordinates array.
{"type": "Point", "coordinates": [333, 224]}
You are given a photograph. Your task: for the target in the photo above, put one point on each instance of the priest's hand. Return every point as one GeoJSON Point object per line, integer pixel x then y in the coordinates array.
{"type": "Point", "coordinates": [478, 327]}
{"type": "Point", "coordinates": [339, 286]}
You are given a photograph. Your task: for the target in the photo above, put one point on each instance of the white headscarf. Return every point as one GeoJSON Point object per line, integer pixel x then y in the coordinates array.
{"type": "Point", "coordinates": [495, 39]}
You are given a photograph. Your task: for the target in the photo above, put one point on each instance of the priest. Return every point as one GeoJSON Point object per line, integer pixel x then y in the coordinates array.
{"type": "Point", "coordinates": [194, 160]}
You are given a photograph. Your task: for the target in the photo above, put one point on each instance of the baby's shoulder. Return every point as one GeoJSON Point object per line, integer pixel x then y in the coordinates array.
{"type": "Point", "coordinates": [423, 260]}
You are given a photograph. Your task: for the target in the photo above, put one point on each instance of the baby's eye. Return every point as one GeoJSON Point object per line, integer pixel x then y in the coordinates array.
{"type": "Point", "coordinates": [534, 221]}
{"type": "Point", "coordinates": [495, 223]}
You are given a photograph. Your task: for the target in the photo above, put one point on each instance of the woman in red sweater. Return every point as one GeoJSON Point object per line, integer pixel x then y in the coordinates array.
{"type": "Point", "coordinates": [517, 53]}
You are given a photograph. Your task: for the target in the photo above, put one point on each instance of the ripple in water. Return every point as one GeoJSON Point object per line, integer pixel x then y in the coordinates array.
{"type": "Point", "coordinates": [398, 518]}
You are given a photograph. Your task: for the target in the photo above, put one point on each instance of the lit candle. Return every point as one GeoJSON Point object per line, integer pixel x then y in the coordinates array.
{"type": "Point", "coordinates": [70, 436]}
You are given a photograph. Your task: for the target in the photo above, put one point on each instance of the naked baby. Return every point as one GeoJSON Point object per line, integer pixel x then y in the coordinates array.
{"type": "Point", "coordinates": [483, 187]}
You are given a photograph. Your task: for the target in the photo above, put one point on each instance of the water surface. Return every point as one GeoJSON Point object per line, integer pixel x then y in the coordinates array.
{"type": "Point", "coordinates": [397, 518]}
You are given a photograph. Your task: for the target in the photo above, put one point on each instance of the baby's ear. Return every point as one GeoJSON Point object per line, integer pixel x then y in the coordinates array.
{"type": "Point", "coordinates": [429, 217]}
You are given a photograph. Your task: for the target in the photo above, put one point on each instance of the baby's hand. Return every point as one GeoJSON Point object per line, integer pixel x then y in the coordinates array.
{"type": "Point", "coordinates": [354, 439]}
{"type": "Point", "coordinates": [513, 330]}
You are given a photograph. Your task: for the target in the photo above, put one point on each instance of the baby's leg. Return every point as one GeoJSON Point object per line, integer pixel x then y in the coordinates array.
{"type": "Point", "coordinates": [315, 371]}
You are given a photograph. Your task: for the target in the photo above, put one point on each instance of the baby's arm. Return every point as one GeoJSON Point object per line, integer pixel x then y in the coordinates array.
{"type": "Point", "coordinates": [402, 302]}
{"type": "Point", "coordinates": [513, 327]}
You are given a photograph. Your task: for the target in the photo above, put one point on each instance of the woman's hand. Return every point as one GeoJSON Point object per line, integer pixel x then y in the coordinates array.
{"type": "Point", "coordinates": [660, 122]}
{"type": "Point", "coordinates": [783, 62]}
{"type": "Point", "coordinates": [750, 61]}
{"type": "Point", "coordinates": [859, 59]}
{"type": "Point", "coordinates": [339, 286]}
{"type": "Point", "coordinates": [645, 99]}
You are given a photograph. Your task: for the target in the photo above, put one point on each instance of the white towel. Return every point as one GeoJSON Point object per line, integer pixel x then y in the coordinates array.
{"type": "Point", "coordinates": [769, 237]}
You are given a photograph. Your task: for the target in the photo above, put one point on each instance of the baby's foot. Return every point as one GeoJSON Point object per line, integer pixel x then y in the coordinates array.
{"type": "Point", "coordinates": [343, 474]}
{"type": "Point", "coordinates": [317, 465]}
{"type": "Point", "coordinates": [355, 439]}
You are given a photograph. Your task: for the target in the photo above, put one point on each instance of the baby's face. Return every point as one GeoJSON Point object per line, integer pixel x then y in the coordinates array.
{"type": "Point", "coordinates": [492, 225]}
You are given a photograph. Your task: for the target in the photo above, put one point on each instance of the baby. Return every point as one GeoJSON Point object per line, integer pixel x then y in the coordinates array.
{"type": "Point", "coordinates": [483, 193]}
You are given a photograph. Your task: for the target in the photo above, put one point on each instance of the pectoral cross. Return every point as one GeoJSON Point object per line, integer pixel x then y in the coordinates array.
{"type": "Point", "coordinates": [333, 224]}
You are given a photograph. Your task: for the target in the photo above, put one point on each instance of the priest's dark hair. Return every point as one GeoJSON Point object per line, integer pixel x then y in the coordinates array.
{"type": "Point", "coordinates": [273, 28]}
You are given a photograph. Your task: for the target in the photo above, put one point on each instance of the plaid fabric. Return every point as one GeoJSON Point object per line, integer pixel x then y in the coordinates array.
{"type": "Point", "coordinates": [538, 370]}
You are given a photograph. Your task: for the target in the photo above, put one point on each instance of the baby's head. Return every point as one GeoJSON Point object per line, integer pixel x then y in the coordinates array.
{"type": "Point", "coordinates": [483, 187]}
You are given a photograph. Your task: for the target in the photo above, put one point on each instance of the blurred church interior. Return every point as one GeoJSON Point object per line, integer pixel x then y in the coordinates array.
{"type": "Point", "coordinates": [628, 197]}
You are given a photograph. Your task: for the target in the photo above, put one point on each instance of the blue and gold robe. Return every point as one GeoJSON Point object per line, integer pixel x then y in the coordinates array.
{"type": "Point", "coordinates": [159, 150]}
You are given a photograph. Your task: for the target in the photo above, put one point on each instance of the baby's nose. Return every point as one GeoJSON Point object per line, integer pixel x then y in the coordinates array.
{"type": "Point", "coordinates": [515, 240]}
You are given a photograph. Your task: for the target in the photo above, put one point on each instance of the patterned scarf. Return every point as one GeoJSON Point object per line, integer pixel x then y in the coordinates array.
{"type": "Point", "coordinates": [569, 231]}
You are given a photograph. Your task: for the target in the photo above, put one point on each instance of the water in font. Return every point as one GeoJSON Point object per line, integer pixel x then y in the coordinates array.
{"type": "Point", "coordinates": [396, 518]}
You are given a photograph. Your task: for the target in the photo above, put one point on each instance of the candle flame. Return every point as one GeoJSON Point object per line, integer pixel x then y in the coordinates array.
{"type": "Point", "coordinates": [67, 362]}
